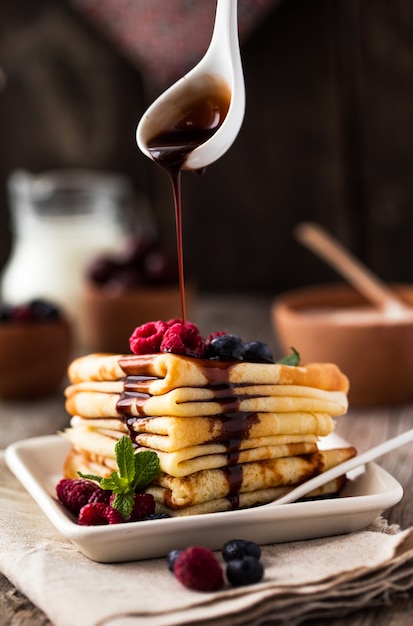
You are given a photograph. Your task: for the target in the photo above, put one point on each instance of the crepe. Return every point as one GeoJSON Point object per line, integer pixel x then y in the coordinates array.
{"type": "Point", "coordinates": [174, 433]}
{"type": "Point", "coordinates": [209, 492]}
{"type": "Point", "coordinates": [165, 371]}
{"type": "Point", "coordinates": [190, 402]}
{"type": "Point", "coordinates": [227, 434]}
{"type": "Point", "coordinates": [195, 458]}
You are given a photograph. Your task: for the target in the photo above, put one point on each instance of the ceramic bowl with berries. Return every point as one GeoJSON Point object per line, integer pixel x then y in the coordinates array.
{"type": "Point", "coordinates": [126, 290]}
{"type": "Point", "coordinates": [35, 349]}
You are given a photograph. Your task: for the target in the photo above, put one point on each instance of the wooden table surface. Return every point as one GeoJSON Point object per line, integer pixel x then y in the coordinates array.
{"type": "Point", "coordinates": [249, 317]}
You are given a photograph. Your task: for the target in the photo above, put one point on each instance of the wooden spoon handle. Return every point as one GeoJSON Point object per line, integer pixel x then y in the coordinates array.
{"type": "Point", "coordinates": [367, 283]}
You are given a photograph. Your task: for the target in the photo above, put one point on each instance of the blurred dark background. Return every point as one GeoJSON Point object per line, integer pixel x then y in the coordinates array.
{"type": "Point", "coordinates": [327, 137]}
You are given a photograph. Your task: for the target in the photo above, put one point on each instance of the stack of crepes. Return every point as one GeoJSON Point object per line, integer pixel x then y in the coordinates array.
{"type": "Point", "coordinates": [228, 434]}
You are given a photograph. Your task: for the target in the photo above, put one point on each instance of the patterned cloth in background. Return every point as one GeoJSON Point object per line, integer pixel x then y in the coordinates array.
{"type": "Point", "coordinates": [166, 38]}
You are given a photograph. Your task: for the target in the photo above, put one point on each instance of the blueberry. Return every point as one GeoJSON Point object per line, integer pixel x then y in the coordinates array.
{"type": "Point", "coordinates": [171, 558]}
{"type": "Point", "coordinates": [245, 571]}
{"type": "Point", "coordinates": [257, 352]}
{"type": "Point", "coordinates": [154, 516]}
{"type": "Point", "coordinates": [238, 548]}
{"type": "Point", "coordinates": [44, 310]}
{"type": "Point", "coordinates": [226, 348]}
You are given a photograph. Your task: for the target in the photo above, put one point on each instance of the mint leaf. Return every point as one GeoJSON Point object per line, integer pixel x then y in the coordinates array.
{"type": "Point", "coordinates": [124, 502]}
{"type": "Point", "coordinates": [125, 458]}
{"type": "Point", "coordinates": [135, 472]}
{"type": "Point", "coordinates": [113, 483]}
{"type": "Point", "coordinates": [146, 468]}
{"type": "Point", "coordinates": [98, 479]}
{"type": "Point", "coordinates": [291, 359]}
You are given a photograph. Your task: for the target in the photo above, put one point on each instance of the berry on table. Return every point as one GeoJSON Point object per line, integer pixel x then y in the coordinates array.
{"type": "Point", "coordinates": [198, 568]}
{"type": "Point", "coordinates": [245, 571]}
{"type": "Point", "coordinates": [171, 558]}
{"type": "Point", "coordinates": [238, 548]}
{"type": "Point", "coordinates": [98, 514]}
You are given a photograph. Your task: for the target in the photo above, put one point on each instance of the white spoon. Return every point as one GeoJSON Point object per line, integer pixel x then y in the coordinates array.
{"type": "Point", "coordinates": [343, 468]}
{"type": "Point", "coordinates": [222, 60]}
{"type": "Point", "coordinates": [367, 283]}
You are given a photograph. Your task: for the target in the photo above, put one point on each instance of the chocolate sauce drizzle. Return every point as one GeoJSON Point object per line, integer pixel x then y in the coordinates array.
{"type": "Point", "coordinates": [236, 424]}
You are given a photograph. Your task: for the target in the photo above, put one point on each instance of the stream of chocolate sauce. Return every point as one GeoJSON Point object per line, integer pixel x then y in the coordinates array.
{"type": "Point", "coordinates": [199, 115]}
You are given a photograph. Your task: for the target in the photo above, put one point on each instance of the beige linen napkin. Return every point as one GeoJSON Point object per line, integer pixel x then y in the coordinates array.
{"type": "Point", "coordinates": [307, 579]}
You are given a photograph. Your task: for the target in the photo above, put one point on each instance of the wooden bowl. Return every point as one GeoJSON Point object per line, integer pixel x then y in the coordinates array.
{"type": "Point", "coordinates": [109, 317]}
{"type": "Point", "coordinates": [334, 323]}
{"type": "Point", "coordinates": [33, 358]}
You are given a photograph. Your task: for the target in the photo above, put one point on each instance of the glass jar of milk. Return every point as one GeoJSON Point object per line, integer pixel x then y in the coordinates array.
{"type": "Point", "coordinates": [61, 220]}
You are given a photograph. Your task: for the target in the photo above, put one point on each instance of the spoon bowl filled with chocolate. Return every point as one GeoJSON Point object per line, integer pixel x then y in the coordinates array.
{"type": "Point", "coordinates": [197, 119]}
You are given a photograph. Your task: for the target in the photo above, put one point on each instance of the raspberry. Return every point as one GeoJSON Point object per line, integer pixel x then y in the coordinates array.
{"type": "Point", "coordinates": [198, 568]}
{"type": "Point", "coordinates": [183, 339]}
{"type": "Point", "coordinates": [176, 320]}
{"type": "Point", "coordinates": [146, 339]}
{"type": "Point", "coordinates": [98, 514]}
{"type": "Point", "coordinates": [143, 507]}
{"type": "Point", "coordinates": [100, 495]}
{"type": "Point", "coordinates": [74, 493]}
{"type": "Point", "coordinates": [173, 321]}
{"type": "Point", "coordinates": [214, 335]}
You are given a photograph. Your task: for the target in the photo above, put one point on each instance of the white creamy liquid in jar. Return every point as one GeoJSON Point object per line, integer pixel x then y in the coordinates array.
{"type": "Point", "coordinates": [51, 261]}
{"type": "Point", "coordinates": [61, 222]}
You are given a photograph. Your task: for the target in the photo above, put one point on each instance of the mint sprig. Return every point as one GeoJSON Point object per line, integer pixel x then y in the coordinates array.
{"type": "Point", "coordinates": [135, 472]}
{"type": "Point", "coordinates": [291, 359]}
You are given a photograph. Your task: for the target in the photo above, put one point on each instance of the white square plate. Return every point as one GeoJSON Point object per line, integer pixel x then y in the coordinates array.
{"type": "Point", "coordinates": [38, 463]}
